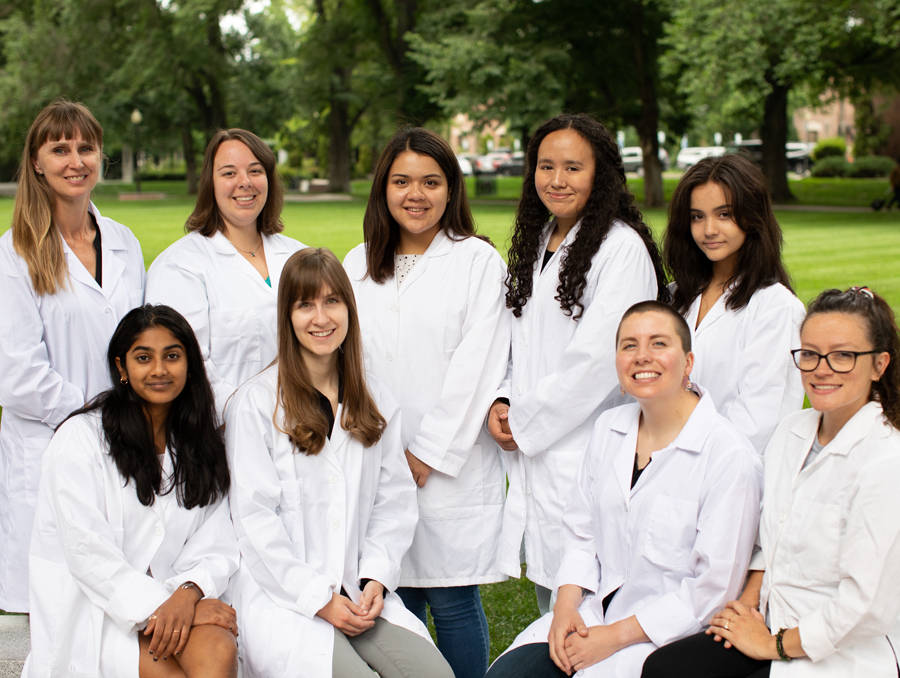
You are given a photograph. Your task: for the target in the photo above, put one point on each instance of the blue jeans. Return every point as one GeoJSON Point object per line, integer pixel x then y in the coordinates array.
{"type": "Point", "coordinates": [462, 629]}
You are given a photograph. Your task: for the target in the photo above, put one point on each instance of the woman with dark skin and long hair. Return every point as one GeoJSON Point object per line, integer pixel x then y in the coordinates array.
{"type": "Point", "coordinates": [323, 502]}
{"type": "Point", "coordinates": [436, 332]}
{"type": "Point", "coordinates": [723, 249]}
{"type": "Point", "coordinates": [132, 543]}
{"type": "Point", "coordinates": [581, 255]}
{"type": "Point", "coordinates": [822, 596]}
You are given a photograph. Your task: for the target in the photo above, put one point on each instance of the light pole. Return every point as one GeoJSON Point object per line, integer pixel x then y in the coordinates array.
{"type": "Point", "coordinates": [136, 118]}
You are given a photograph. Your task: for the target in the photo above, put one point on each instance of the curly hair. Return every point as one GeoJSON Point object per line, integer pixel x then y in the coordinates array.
{"type": "Point", "coordinates": [758, 262]}
{"type": "Point", "coordinates": [609, 200]}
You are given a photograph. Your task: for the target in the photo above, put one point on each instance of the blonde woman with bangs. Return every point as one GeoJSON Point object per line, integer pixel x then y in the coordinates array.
{"type": "Point", "coordinates": [67, 277]}
{"type": "Point", "coordinates": [322, 499]}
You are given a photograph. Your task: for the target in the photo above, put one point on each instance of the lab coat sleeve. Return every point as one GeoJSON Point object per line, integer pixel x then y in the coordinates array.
{"type": "Point", "coordinates": [449, 429]}
{"type": "Point", "coordinates": [29, 386]}
{"type": "Point", "coordinates": [91, 551]}
{"type": "Point", "coordinates": [267, 551]}
{"type": "Point", "coordinates": [586, 374]}
{"type": "Point", "coordinates": [170, 284]}
{"type": "Point", "coordinates": [765, 370]}
{"type": "Point", "coordinates": [210, 555]}
{"type": "Point", "coordinates": [392, 523]}
{"type": "Point", "coordinates": [727, 524]}
{"type": "Point", "coordinates": [506, 385]}
{"type": "Point", "coordinates": [868, 596]}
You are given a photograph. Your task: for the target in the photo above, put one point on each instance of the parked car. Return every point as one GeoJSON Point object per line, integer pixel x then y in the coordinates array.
{"type": "Point", "coordinates": [693, 154]}
{"type": "Point", "coordinates": [514, 167]}
{"type": "Point", "coordinates": [633, 159]}
{"type": "Point", "coordinates": [796, 153]}
{"type": "Point", "coordinates": [465, 165]}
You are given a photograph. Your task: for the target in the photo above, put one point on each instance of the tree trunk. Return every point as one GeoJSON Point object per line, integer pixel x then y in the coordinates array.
{"type": "Point", "coordinates": [774, 137]}
{"type": "Point", "coordinates": [339, 130]}
{"type": "Point", "coordinates": [190, 160]}
{"type": "Point", "coordinates": [648, 123]}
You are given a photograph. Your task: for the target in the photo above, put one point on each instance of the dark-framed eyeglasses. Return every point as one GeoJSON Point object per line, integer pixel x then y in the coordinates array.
{"type": "Point", "coordinates": [839, 361]}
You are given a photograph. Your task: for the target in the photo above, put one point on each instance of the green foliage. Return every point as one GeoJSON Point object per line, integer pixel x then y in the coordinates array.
{"type": "Point", "coordinates": [835, 147]}
{"type": "Point", "coordinates": [872, 132]}
{"type": "Point", "coordinates": [830, 166]}
{"type": "Point", "coordinates": [871, 166]}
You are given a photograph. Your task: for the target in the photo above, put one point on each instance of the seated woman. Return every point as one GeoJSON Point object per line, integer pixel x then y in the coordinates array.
{"type": "Point", "coordinates": [660, 523]}
{"type": "Point", "coordinates": [323, 501]}
{"type": "Point", "coordinates": [823, 595]}
{"type": "Point", "coordinates": [132, 542]}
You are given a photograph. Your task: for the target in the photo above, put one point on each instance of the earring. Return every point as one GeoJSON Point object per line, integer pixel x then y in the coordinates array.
{"type": "Point", "coordinates": [38, 171]}
{"type": "Point", "coordinates": [687, 383]}
{"type": "Point", "coordinates": [621, 390]}
{"type": "Point", "coordinates": [123, 380]}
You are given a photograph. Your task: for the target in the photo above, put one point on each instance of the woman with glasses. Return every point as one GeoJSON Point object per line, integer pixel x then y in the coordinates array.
{"type": "Point", "coordinates": [723, 249]}
{"type": "Point", "coordinates": [823, 594]}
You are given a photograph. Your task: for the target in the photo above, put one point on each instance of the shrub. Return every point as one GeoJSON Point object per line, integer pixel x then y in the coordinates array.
{"type": "Point", "coordinates": [870, 166]}
{"type": "Point", "coordinates": [830, 167]}
{"type": "Point", "coordinates": [835, 147]}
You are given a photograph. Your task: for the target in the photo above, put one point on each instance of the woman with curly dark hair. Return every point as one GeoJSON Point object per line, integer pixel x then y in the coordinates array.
{"type": "Point", "coordinates": [723, 249]}
{"type": "Point", "coordinates": [581, 255]}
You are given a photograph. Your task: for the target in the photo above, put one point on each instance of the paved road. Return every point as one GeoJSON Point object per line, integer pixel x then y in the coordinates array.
{"type": "Point", "coordinates": [14, 645]}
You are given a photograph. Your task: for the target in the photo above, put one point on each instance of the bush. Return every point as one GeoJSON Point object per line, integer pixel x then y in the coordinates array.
{"type": "Point", "coordinates": [830, 167]}
{"type": "Point", "coordinates": [870, 166]}
{"type": "Point", "coordinates": [835, 147]}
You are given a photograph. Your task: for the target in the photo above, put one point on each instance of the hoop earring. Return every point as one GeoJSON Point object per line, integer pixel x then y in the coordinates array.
{"type": "Point", "coordinates": [621, 390]}
{"type": "Point", "coordinates": [123, 380]}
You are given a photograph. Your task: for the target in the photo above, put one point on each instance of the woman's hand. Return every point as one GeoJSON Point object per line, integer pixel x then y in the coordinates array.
{"type": "Point", "coordinates": [744, 628]}
{"type": "Point", "coordinates": [420, 470]}
{"type": "Point", "coordinates": [345, 615]}
{"type": "Point", "coordinates": [215, 612]}
{"type": "Point", "coordinates": [498, 426]}
{"type": "Point", "coordinates": [566, 621]}
{"type": "Point", "coordinates": [371, 602]}
{"type": "Point", "coordinates": [171, 624]}
{"type": "Point", "coordinates": [588, 649]}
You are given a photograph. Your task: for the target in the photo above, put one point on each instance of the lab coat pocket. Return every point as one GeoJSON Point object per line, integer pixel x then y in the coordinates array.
{"type": "Point", "coordinates": [291, 510]}
{"type": "Point", "coordinates": [447, 498]}
{"type": "Point", "coordinates": [816, 527]}
{"type": "Point", "coordinates": [552, 483]}
{"type": "Point", "coordinates": [671, 531]}
{"type": "Point", "coordinates": [135, 298]}
{"type": "Point", "coordinates": [234, 336]}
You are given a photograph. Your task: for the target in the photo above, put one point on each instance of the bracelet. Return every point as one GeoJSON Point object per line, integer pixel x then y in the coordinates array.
{"type": "Point", "coordinates": [779, 645]}
{"type": "Point", "coordinates": [192, 585]}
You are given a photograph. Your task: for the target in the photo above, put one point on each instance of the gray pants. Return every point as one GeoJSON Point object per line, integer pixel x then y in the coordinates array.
{"type": "Point", "coordinates": [544, 596]}
{"type": "Point", "coordinates": [392, 651]}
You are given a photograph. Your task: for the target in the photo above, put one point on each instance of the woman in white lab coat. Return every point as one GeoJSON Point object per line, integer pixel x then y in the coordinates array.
{"type": "Point", "coordinates": [570, 280]}
{"type": "Point", "coordinates": [132, 540]}
{"type": "Point", "coordinates": [436, 333]}
{"type": "Point", "coordinates": [662, 519]}
{"type": "Point", "coordinates": [823, 595]}
{"type": "Point", "coordinates": [67, 276]}
{"type": "Point", "coordinates": [223, 275]}
{"type": "Point", "coordinates": [723, 249]}
{"type": "Point", "coordinates": [323, 503]}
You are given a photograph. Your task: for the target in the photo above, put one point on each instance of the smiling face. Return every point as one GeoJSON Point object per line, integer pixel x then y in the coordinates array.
{"type": "Point", "coordinates": [650, 360]}
{"type": "Point", "coordinates": [564, 175]}
{"type": "Point", "coordinates": [156, 367]}
{"type": "Point", "coordinates": [417, 195]}
{"type": "Point", "coordinates": [71, 167]}
{"type": "Point", "coordinates": [713, 227]}
{"type": "Point", "coordinates": [840, 395]}
{"type": "Point", "coordinates": [320, 324]}
{"type": "Point", "coordinates": [240, 185]}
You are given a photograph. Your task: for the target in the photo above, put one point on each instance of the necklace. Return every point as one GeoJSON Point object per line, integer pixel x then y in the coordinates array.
{"type": "Point", "coordinates": [251, 253]}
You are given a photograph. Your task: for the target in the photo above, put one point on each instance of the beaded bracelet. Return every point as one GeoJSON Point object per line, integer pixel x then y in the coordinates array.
{"type": "Point", "coordinates": [779, 645]}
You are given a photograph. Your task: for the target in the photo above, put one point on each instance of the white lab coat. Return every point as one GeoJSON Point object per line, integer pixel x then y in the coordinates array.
{"type": "Point", "coordinates": [101, 562]}
{"type": "Point", "coordinates": [561, 377]}
{"type": "Point", "coordinates": [52, 360]}
{"type": "Point", "coordinates": [743, 359]}
{"type": "Point", "coordinates": [675, 546]}
{"type": "Point", "coordinates": [440, 344]}
{"type": "Point", "coordinates": [308, 526]}
{"type": "Point", "coordinates": [228, 304]}
{"type": "Point", "coordinates": [830, 537]}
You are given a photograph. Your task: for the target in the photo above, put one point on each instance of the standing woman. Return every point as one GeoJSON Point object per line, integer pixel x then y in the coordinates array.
{"type": "Point", "coordinates": [823, 595]}
{"type": "Point", "coordinates": [723, 249]}
{"type": "Point", "coordinates": [132, 542]}
{"type": "Point", "coordinates": [223, 275]}
{"type": "Point", "coordinates": [67, 276]}
{"type": "Point", "coordinates": [323, 502]}
{"type": "Point", "coordinates": [580, 256]}
{"type": "Point", "coordinates": [436, 333]}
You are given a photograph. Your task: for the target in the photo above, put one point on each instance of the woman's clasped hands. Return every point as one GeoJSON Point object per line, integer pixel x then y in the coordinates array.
{"type": "Point", "coordinates": [745, 628]}
{"type": "Point", "coordinates": [352, 619]}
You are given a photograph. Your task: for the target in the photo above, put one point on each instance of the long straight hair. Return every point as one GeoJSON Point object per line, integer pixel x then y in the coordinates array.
{"type": "Point", "coordinates": [35, 236]}
{"type": "Point", "coordinates": [305, 276]}
{"type": "Point", "coordinates": [381, 230]}
{"type": "Point", "coordinates": [200, 466]}
{"type": "Point", "coordinates": [759, 261]}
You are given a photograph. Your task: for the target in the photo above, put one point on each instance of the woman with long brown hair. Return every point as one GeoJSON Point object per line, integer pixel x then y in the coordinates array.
{"type": "Point", "coordinates": [67, 276]}
{"type": "Point", "coordinates": [323, 502]}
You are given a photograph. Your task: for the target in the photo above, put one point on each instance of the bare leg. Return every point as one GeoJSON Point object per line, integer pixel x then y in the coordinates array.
{"type": "Point", "coordinates": [211, 652]}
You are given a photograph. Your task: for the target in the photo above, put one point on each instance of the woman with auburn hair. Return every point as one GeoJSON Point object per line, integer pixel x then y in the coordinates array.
{"type": "Point", "coordinates": [67, 276]}
{"type": "Point", "coordinates": [323, 502]}
{"type": "Point", "coordinates": [723, 249]}
{"type": "Point", "coordinates": [436, 333]}
{"type": "Point", "coordinates": [132, 542]}
{"type": "Point", "coordinates": [223, 275]}
{"type": "Point", "coordinates": [822, 597]}
{"type": "Point", "coordinates": [581, 255]}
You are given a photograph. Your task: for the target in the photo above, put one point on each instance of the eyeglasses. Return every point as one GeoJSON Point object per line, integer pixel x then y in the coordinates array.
{"type": "Point", "coordinates": [839, 361]}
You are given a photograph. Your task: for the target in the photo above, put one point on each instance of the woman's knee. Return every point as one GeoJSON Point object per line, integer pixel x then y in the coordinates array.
{"type": "Point", "coordinates": [211, 649]}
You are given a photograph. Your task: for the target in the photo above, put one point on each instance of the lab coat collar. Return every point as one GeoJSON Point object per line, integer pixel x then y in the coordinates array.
{"type": "Point", "coordinates": [539, 267]}
{"type": "Point", "coordinates": [223, 246]}
{"type": "Point", "coordinates": [859, 426]}
{"type": "Point", "coordinates": [440, 246]}
{"type": "Point", "coordinates": [113, 266]}
{"type": "Point", "coordinates": [339, 438]}
{"type": "Point", "coordinates": [717, 311]}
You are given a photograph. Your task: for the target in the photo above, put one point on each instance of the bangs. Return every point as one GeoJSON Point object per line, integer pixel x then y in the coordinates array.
{"type": "Point", "coordinates": [66, 123]}
{"type": "Point", "coordinates": [316, 278]}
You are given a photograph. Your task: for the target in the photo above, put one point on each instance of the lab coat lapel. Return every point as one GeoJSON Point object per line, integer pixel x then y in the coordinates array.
{"type": "Point", "coordinates": [225, 249]}
{"type": "Point", "coordinates": [114, 251]}
{"type": "Point", "coordinates": [717, 311]}
{"type": "Point", "coordinates": [339, 438]}
{"type": "Point", "coordinates": [439, 247]}
{"type": "Point", "coordinates": [625, 425]}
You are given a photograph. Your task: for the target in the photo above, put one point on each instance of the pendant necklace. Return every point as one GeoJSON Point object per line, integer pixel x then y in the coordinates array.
{"type": "Point", "coordinates": [253, 253]}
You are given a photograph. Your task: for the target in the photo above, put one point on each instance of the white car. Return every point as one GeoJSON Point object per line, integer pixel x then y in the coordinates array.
{"type": "Point", "coordinates": [465, 165]}
{"type": "Point", "coordinates": [693, 154]}
{"type": "Point", "coordinates": [633, 159]}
